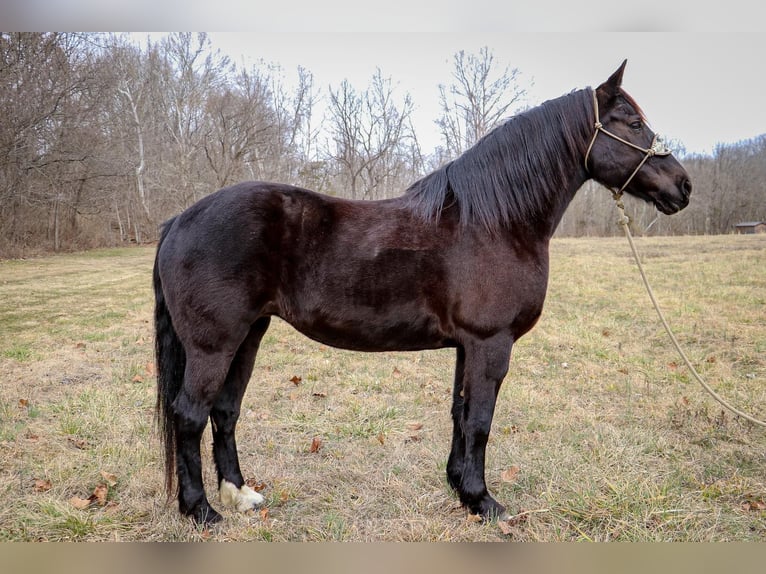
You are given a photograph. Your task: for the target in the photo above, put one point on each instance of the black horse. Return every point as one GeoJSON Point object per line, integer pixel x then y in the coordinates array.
{"type": "Point", "coordinates": [460, 260]}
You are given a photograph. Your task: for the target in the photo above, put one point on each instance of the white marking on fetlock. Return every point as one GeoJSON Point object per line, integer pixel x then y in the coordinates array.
{"type": "Point", "coordinates": [228, 493]}
{"type": "Point", "coordinates": [243, 499]}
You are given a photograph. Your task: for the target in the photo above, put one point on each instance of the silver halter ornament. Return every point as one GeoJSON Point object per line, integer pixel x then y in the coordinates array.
{"type": "Point", "coordinates": [658, 147]}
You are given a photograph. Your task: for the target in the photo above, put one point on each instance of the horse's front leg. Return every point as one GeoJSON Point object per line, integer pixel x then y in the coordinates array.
{"type": "Point", "coordinates": [485, 366]}
{"type": "Point", "coordinates": [457, 452]}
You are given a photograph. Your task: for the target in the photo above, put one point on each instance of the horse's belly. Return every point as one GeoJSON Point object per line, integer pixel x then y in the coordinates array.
{"type": "Point", "coordinates": [373, 333]}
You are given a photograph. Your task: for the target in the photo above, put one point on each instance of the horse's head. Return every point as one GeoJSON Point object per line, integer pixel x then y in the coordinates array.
{"type": "Point", "coordinates": [625, 155]}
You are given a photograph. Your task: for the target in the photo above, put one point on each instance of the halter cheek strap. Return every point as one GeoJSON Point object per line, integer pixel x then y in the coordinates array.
{"type": "Point", "coordinates": [658, 147]}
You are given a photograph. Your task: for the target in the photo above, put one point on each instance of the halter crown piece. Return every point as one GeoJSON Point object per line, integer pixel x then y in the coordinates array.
{"type": "Point", "coordinates": [658, 147]}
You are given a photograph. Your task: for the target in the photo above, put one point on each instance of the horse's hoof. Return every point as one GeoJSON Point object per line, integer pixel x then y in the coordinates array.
{"type": "Point", "coordinates": [492, 510]}
{"type": "Point", "coordinates": [206, 516]}
{"type": "Point", "coordinates": [243, 498]}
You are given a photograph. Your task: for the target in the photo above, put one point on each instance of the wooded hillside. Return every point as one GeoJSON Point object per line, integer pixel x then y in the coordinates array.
{"type": "Point", "coordinates": [102, 139]}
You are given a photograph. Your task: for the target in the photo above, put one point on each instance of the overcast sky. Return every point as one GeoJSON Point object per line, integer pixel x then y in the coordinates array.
{"type": "Point", "coordinates": [699, 88]}
{"type": "Point", "coordinates": [697, 69]}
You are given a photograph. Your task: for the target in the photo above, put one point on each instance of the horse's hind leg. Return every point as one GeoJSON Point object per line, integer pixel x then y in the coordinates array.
{"type": "Point", "coordinates": [224, 416]}
{"type": "Point", "coordinates": [203, 378]}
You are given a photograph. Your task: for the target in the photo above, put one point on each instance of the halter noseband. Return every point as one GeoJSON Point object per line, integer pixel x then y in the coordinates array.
{"type": "Point", "coordinates": [658, 147]}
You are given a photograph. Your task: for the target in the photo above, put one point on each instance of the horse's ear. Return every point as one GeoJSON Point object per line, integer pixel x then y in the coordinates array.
{"type": "Point", "coordinates": [611, 88]}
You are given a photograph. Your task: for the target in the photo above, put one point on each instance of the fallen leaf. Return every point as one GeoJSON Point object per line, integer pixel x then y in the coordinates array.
{"type": "Point", "coordinates": [111, 507]}
{"type": "Point", "coordinates": [316, 444]}
{"type": "Point", "coordinates": [99, 497]}
{"type": "Point", "coordinates": [99, 494]}
{"type": "Point", "coordinates": [80, 503]}
{"type": "Point", "coordinates": [140, 342]}
{"type": "Point", "coordinates": [505, 528]}
{"type": "Point", "coordinates": [80, 443]}
{"type": "Point", "coordinates": [284, 496]}
{"type": "Point", "coordinates": [23, 403]}
{"type": "Point", "coordinates": [42, 485]}
{"type": "Point", "coordinates": [397, 373]}
{"type": "Point", "coordinates": [264, 513]}
{"type": "Point", "coordinates": [110, 478]}
{"type": "Point", "coordinates": [510, 474]}
{"type": "Point", "coordinates": [519, 518]}
{"type": "Point", "coordinates": [296, 380]}
{"type": "Point", "coordinates": [753, 504]}
{"type": "Point", "coordinates": [150, 369]}
{"type": "Point", "coordinates": [319, 395]}
{"type": "Point", "coordinates": [382, 438]}
{"type": "Point", "coordinates": [415, 426]}
{"type": "Point", "coordinates": [672, 365]}
{"type": "Point", "coordinates": [473, 518]}
{"type": "Point", "coordinates": [137, 379]}
{"type": "Point", "coordinates": [256, 485]}
{"type": "Point", "coordinates": [79, 345]}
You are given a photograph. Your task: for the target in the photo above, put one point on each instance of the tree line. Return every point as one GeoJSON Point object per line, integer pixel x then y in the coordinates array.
{"type": "Point", "coordinates": [102, 139]}
{"type": "Point", "coordinates": [729, 188]}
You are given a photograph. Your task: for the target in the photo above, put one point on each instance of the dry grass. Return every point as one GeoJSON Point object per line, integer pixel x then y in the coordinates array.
{"type": "Point", "coordinates": [611, 437]}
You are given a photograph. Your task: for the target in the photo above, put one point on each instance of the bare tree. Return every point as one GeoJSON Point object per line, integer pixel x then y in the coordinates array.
{"type": "Point", "coordinates": [307, 128]}
{"type": "Point", "coordinates": [193, 72]}
{"type": "Point", "coordinates": [240, 122]}
{"type": "Point", "coordinates": [312, 171]}
{"type": "Point", "coordinates": [131, 88]}
{"type": "Point", "coordinates": [372, 136]}
{"type": "Point", "coordinates": [101, 139]}
{"type": "Point", "coordinates": [47, 91]}
{"type": "Point", "coordinates": [479, 97]}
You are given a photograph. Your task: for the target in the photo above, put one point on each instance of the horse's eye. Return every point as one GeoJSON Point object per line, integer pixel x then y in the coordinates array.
{"type": "Point", "coordinates": [636, 126]}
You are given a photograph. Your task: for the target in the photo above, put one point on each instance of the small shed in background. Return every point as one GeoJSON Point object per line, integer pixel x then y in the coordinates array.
{"type": "Point", "coordinates": [749, 227]}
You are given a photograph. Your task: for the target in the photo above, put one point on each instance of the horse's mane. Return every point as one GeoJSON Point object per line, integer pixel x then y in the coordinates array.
{"type": "Point", "coordinates": [513, 174]}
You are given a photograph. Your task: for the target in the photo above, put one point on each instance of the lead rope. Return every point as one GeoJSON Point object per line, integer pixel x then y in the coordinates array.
{"type": "Point", "coordinates": [624, 221]}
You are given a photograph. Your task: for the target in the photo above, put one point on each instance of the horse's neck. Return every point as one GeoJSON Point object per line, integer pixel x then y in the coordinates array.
{"type": "Point", "coordinates": [564, 191]}
{"type": "Point", "coordinates": [550, 220]}
{"type": "Point", "coordinates": [557, 213]}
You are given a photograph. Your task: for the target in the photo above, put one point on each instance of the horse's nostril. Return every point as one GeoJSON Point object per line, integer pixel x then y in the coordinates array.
{"type": "Point", "coordinates": [686, 187]}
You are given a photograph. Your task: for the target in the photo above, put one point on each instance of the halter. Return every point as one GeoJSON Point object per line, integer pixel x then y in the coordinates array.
{"type": "Point", "coordinates": [658, 147]}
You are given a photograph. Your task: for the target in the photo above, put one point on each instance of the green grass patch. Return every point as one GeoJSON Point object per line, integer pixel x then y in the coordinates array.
{"type": "Point", "coordinates": [18, 353]}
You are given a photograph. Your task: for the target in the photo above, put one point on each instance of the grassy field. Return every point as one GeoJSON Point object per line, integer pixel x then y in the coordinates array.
{"type": "Point", "coordinates": [600, 434]}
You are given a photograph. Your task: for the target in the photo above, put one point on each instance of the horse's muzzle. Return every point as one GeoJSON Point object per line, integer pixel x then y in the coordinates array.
{"type": "Point", "coordinates": [678, 200]}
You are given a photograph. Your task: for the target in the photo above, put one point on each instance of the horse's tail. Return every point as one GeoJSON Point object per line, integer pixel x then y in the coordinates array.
{"type": "Point", "coordinates": [170, 360]}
